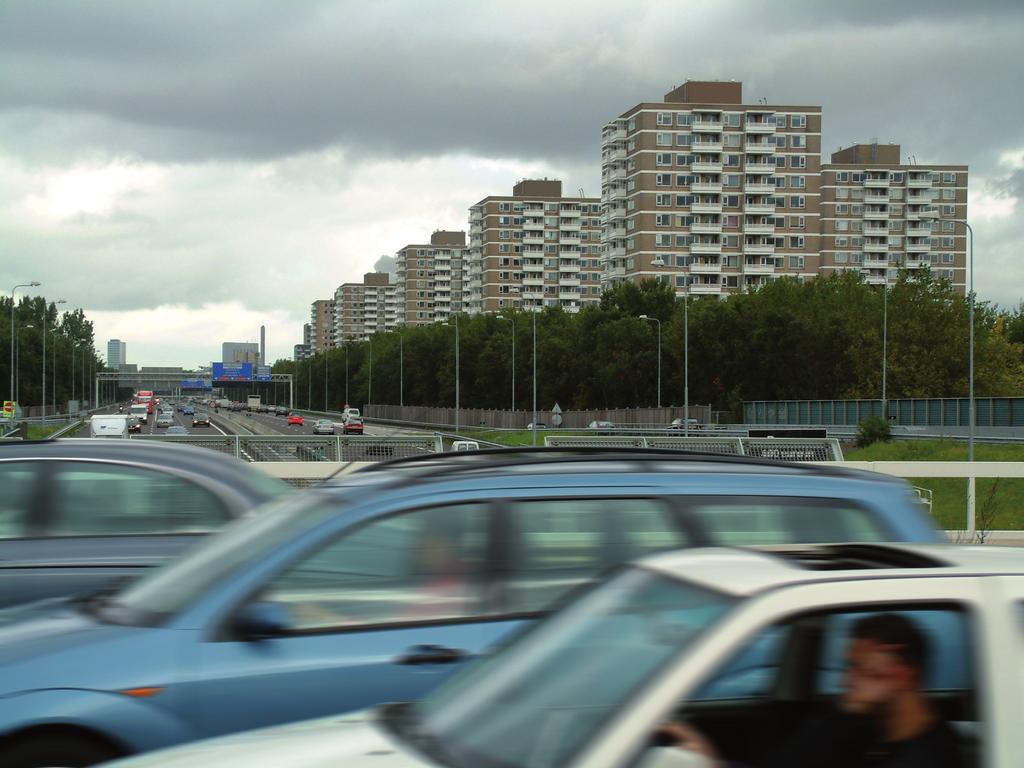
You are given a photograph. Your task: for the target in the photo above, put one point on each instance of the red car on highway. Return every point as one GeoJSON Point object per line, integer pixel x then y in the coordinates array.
{"type": "Point", "coordinates": [353, 426]}
{"type": "Point", "coordinates": [295, 418]}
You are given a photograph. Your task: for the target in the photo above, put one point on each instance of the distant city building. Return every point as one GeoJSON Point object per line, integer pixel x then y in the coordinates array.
{"type": "Point", "coordinates": [871, 215]}
{"type": "Point", "coordinates": [708, 194]}
{"type": "Point", "coordinates": [116, 354]}
{"type": "Point", "coordinates": [362, 309]}
{"type": "Point", "coordinates": [301, 351]}
{"type": "Point", "coordinates": [533, 249]}
{"type": "Point", "coordinates": [240, 352]}
{"type": "Point", "coordinates": [321, 325]}
{"type": "Point", "coordinates": [431, 279]}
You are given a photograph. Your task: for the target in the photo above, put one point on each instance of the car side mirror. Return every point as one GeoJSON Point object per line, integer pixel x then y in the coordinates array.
{"type": "Point", "coordinates": [672, 757]}
{"type": "Point", "coordinates": [261, 620]}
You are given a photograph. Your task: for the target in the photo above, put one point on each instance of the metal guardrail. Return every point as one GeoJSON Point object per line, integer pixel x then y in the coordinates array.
{"type": "Point", "coordinates": [785, 449]}
{"type": "Point", "coordinates": [309, 448]}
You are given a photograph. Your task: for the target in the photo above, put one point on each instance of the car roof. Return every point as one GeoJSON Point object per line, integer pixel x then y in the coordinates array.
{"type": "Point", "coordinates": [744, 572]}
{"type": "Point", "coordinates": [190, 458]}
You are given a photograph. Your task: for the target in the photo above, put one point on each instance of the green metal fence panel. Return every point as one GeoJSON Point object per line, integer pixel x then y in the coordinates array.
{"type": "Point", "coordinates": [934, 412]}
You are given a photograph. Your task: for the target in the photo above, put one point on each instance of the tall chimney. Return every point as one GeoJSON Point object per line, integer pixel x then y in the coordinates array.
{"type": "Point", "coordinates": [263, 345]}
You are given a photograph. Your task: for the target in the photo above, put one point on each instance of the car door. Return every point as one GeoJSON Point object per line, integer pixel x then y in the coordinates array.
{"type": "Point", "coordinates": [383, 612]}
{"type": "Point", "coordinates": [103, 521]}
{"type": "Point", "coordinates": [19, 525]}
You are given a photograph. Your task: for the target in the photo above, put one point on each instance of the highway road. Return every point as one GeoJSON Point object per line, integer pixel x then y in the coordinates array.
{"type": "Point", "coordinates": [150, 427]}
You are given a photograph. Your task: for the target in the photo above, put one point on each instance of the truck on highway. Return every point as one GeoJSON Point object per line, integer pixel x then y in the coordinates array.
{"type": "Point", "coordinates": [253, 403]}
{"type": "Point", "coordinates": [109, 425]}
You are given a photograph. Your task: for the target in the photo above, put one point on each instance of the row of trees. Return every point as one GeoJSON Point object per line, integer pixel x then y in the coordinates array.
{"type": "Point", "coordinates": [787, 340]}
{"type": "Point", "coordinates": [71, 357]}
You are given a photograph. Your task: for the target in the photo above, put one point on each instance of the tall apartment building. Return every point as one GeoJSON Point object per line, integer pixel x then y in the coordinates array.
{"type": "Point", "coordinates": [431, 279]}
{"type": "Point", "coordinates": [321, 325]}
{"type": "Point", "coordinates": [362, 309]}
{"type": "Point", "coordinates": [533, 249]}
{"type": "Point", "coordinates": [709, 194]}
{"type": "Point", "coordinates": [871, 215]}
{"type": "Point", "coordinates": [116, 353]}
{"type": "Point", "coordinates": [301, 352]}
{"type": "Point", "coordinates": [240, 352]}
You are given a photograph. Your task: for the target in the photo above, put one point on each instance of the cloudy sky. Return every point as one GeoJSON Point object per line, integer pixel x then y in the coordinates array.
{"type": "Point", "coordinates": [186, 171]}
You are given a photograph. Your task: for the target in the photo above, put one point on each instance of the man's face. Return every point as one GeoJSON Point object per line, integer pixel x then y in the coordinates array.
{"type": "Point", "coordinates": [875, 675]}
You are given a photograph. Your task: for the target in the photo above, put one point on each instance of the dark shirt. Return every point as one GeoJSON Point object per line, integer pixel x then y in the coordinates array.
{"type": "Point", "coordinates": [840, 740]}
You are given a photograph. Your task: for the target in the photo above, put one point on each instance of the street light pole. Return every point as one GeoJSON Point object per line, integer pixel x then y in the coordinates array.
{"type": "Point", "coordinates": [970, 348]}
{"type": "Point", "coordinates": [885, 341]}
{"type": "Point", "coordinates": [32, 284]}
{"type": "Point", "coordinates": [347, 401]}
{"type": "Point", "coordinates": [457, 403]}
{"type": "Point", "coordinates": [369, 387]}
{"type": "Point", "coordinates": [534, 423]}
{"type": "Point", "coordinates": [686, 362]}
{"type": "Point", "coordinates": [326, 361]}
{"type": "Point", "coordinates": [513, 319]}
{"type": "Point", "coordinates": [401, 370]}
{"type": "Point", "coordinates": [656, 320]}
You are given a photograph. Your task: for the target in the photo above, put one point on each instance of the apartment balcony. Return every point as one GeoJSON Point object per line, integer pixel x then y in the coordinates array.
{"type": "Point", "coordinates": [617, 252]}
{"type": "Point", "coordinates": [920, 182]}
{"type": "Point", "coordinates": [706, 207]}
{"type": "Point", "coordinates": [710, 249]}
{"type": "Point", "coordinates": [616, 173]}
{"type": "Point", "coordinates": [758, 188]}
{"type": "Point", "coordinates": [568, 282]}
{"type": "Point", "coordinates": [705, 268]}
{"type": "Point", "coordinates": [919, 196]}
{"type": "Point", "coordinates": [706, 126]}
{"type": "Point", "coordinates": [876, 263]}
{"type": "Point", "coordinates": [706, 228]}
{"type": "Point", "coordinates": [531, 280]}
{"type": "Point", "coordinates": [758, 249]}
{"type": "Point", "coordinates": [616, 154]}
{"type": "Point", "coordinates": [570, 295]}
{"type": "Point", "coordinates": [708, 187]}
{"type": "Point", "coordinates": [872, 278]}
{"type": "Point", "coordinates": [919, 230]}
{"type": "Point", "coordinates": [530, 240]}
{"type": "Point", "coordinates": [533, 295]}
{"type": "Point", "coordinates": [614, 134]}
{"type": "Point", "coordinates": [570, 213]}
{"type": "Point", "coordinates": [760, 126]}
{"type": "Point", "coordinates": [533, 267]}
{"type": "Point", "coordinates": [708, 289]}
{"type": "Point", "coordinates": [919, 247]}
{"type": "Point", "coordinates": [876, 213]}
{"type": "Point", "coordinates": [707, 146]}
{"type": "Point", "coordinates": [616, 272]}
{"type": "Point", "coordinates": [876, 247]}
{"type": "Point", "coordinates": [915, 264]}
{"type": "Point", "coordinates": [877, 183]}
{"type": "Point", "coordinates": [876, 231]}
{"type": "Point", "coordinates": [702, 167]}
{"type": "Point", "coordinates": [759, 147]}
{"type": "Point", "coordinates": [755, 208]}
{"type": "Point", "coordinates": [758, 268]}
{"type": "Point", "coordinates": [569, 225]}
{"type": "Point", "coordinates": [568, 266]}
{"type": "Point", "coordinates": [759, 167]}
{"type": "Point", "coordinates": [758, 229]}
{"type": "Point", "coordinates": [876, 197]}
{"type": "Point", "coordinates": [565, 239]}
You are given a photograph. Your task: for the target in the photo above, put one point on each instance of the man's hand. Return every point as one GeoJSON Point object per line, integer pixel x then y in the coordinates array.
{"type": "Point", "coordinates": [687, 737]}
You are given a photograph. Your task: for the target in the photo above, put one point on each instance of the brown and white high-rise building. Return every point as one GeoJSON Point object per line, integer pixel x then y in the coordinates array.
{"type": "Point", "coordinates": [876, 215]}
{"type": "Point", "coordinates": [709, 194]}
{"type": "Point", "coordinates": [533, 249]}
{"type": "Point", "coordinates": [431, 279]}
{"type": "Point", "coordinates": [321, 325]}
{"type": "Point", "coordinates": [363, 309]}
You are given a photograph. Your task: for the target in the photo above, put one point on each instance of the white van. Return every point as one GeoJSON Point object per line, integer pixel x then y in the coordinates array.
{"type": "Point", "coordinates": [347, 412]}
{"type": "Point", "coordinates": [108, 425]}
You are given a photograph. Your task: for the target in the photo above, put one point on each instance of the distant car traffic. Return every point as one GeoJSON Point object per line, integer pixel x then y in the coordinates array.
{"type": "Point", "coordinates": [176, 429]}
{"type": "Point", "coordinates": [353, 425]}
{"type": "Point", "coordinates": [323, 427]}
{"type": "Point", "coordinates": [685, 424]}
{"type": "Point", "coordinates": [377, 586]}
{"type": "Point", "coordinates": [295, 419]}
{"type": "Point", "coordinates": [280, 410]}
{"type": "Point", "coordinates": [201, 419]}
{"type": "Point", "coordinates": [600, 425]}
{"type": "Point", "coordinates": [134, 424]}
{"type": "Point", "coordinates": [540, 425]}
{"type": "Point", "coordinates": [165, 419]}
{"type": "Point", "coordinates": [188, 410]}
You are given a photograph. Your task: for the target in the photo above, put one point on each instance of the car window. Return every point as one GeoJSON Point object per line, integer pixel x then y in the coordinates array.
{"type": "Point", "coordinates": [751, 672]}
{"type": "Point", "coordinates": [425, 565]}
{"type": "Point", "coordinates": [107, 499]}
{"type": "Point", "coordinates": [558, 544]}
{"type": "Point", "coordinates": [737, 521]}
{"type": "Point", "coordinates": [17, 479]}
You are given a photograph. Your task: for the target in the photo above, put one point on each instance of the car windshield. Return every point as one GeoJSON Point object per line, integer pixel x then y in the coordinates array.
{"type": "Point", "coordinates": [166, 590]}
{"type": "Point", "coordinates": [541, 699]}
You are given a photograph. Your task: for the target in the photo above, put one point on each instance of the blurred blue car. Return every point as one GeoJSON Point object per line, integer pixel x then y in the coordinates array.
{"type": "Point", "coordinates": [378, 586]}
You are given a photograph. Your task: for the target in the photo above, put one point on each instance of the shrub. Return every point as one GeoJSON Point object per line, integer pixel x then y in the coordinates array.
{"type": "Point", "coordinates": [873, 429]}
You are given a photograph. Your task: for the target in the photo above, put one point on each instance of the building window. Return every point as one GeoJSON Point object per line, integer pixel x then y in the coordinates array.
{"type": "Point", "coordinates": [780, 121]}
{"type": "Point", "coordinates": [684, 159]}
{"type": "Point", "coordinates": [842, 193]}
{"type": "Point", "coordinates": [684, 180]}
{"type": "Point", "coordinates": [663, 220]}
{"type": "Point", "coordinates": [779, 181]}
{"type": "Point", "coordinates": [796, 262]}
{"type": "Point", "coordinates": [684, 200]}
{"type": "Point", "coordinates": [949, 178]}
{"type": "Point", "coordinates": [798, 182]}
{"type": "Point", "coordinates": [664, 118]}
{"type": "Point", "coordinates": [948, 210]}
{"type": "Point", "coordinates": [733, 139]}
{"type": "Point", "coordinates": [798, 121]}
{"type": "Point", "coordinates": [780, 140]}
{"type": "Point", "coordinates": [663, 199]}
{"type": "Point", "coordinates": [780, 161]}
{"type": "Point", "coordinates": [732, 220]}
{"type": "Point", "coordinates": [663, 158]}
{"type": "Point", "coordinates": [684, 221]}
{"type": "Point", "coordinates": [732, 119]}
{"type": "Point", "coordinates": [663, 139]}
{"type": "Point", "coordinates": [732, 161]}
{"type": "Point", "coordinates": [798, 141]}
{"type": "Point", "coordinates": [843, 176]}
{"type": "Point", "coordinates": [732, 180]}
{"type": "Point", "coordinates": [663, 240]}
{"type": "Point", "coordinates": [684, 118]}
{"type": "Point", "coordinates": [663, 180]}
{"type": "Point", "coordinates": [684, 139]}
{"type": "Point", "coordinates": [949, 194]}
{"type": "Point", "coordinates": [797, 201]}
{"type": "Point", "coordinates": [796, 222]}
{"type": "Point", "coordinates": [796, 241]}
{"type": "Point", "coordinates": [797, 161]}
{"type": "Point", "coordinates": [731, 201]}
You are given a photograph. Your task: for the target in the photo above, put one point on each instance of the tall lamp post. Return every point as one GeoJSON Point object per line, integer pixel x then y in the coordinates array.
{"type": "Point", "coordinates": [45, 313]}
{"type": "Point", "coordinates": [17, 363]}
{"type": "Point", "coordinates": [369, 386]}
{"type": "Point", "coordinates": [513, 319]}
{"type": "Point", "coordinates": [534, 423]}
{"type": "Point", "coordinates": [33, 284]}
{"type": "Point", "coordinates": [686, 362]}
{"type": "Point", "coordinates": [401, 370]}
{"type": "Point", "coordinates": [326, 363]}
{"type": "Point", "coordinates": [347, 402]}
{"type": "Point", "coordinates": [457, 403]}
{"type": "Point", "coordinates": [656, 320]}
{"type": "Point", "coordinates": [885, 340]}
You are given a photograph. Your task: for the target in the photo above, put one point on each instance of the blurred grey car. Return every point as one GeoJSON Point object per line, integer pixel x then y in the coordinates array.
{"type": "Point", "coordinates": [78, 514]}
{"type": "Point", "coordinates": [323, 427]}
{"type": "Point", "coordinates": [177, 429]}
